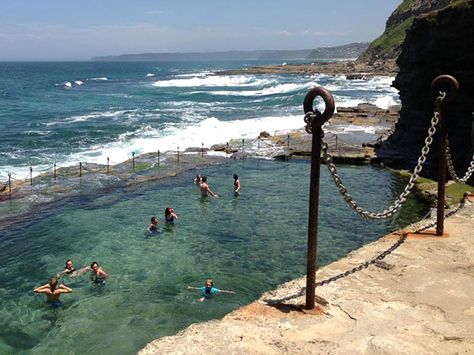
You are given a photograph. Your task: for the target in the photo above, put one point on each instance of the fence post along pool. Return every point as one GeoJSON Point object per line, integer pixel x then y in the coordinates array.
{"type": "Point", "coordinates": [314, 121]}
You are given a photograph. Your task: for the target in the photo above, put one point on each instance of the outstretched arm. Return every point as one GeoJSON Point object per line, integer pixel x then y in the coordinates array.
{"type": "Point", "coordinates": [224, 291]}
{"type": "Point", "coordinates": [193, 288]}
{"type": "Point", "coordinates": [212, 193]}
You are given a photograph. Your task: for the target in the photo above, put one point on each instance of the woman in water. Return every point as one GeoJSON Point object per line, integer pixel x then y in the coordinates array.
{"type": "Point", "coordinates": [208, 290]}
{"type": "Point", "coordinates": [70, 270]}
{"type": "Point", "coordinates": [236, 185]}
{"type": "Point", "coordinates": [98, 274]}
{"type": "Point", "coordinates": [53, 291]}
{"type": "Point", "coordinates": [170, 215]}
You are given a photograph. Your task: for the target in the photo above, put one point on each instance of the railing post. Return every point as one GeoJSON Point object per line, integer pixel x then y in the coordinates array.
{"type": "Point", "coordinates": [227, 149]}
{"type": "Point", "coordinates": [133, 161]}
{"type": "Point", "coordinates": [336, 141]}
{"type": "Point", "coordinates": [108, 166]}
{"type": "Point", "coordinates": [177, 151]}
{"type": "Point", "coordinates": [54, 171]}
{"type": "Point", "coordinates": [31, 176]}
{"type": "Point", "coordinates": [10, 183]}
{"type": "Point", "coordinates": [158, 158]}
{"type": "Point", "coordinates": [449, 85]}
{"type": "Point", "coordinates": [314, 120]}
{"type": "Point", "coordinates": [243, 146]}
{"type": "Point", "coordinates": [288, 142]}
{"type": "Point", "coordinates": [202, 149]}
{"type": "Point", "coordinates": [258, 142]}
{"type": "Point", "coordinates": [80, 169]}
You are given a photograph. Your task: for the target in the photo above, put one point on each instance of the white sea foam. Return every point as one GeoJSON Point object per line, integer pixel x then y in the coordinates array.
{"type": "Point", "coordinates": [92, 115]}
{"type": "Point", "coordinates": [278, 89]}
{"type": "Point", "coordinates": [213, 80]}
{"type": "Point", "coordinates": [150, 75]}
{"type": "Point", "coordinates": [349, 129]}
{"type": "Point", "coordinates": [386, 101]}
{"type": "Point", "coordinates": [98, 79]}
{"type": "Point", "coordinates": [78, 82]}
{"type": "Point", "coordinates": [67, 85]}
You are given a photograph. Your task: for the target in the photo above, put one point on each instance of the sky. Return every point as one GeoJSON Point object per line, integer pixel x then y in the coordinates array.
{"type": "Point", "coordinates": [79, 30]}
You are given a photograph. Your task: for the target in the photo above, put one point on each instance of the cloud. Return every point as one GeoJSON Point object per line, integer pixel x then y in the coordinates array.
{"type": "Point", "coordinates": [285, 33]}
{"type": "Point", "coordinates": [154, 12]}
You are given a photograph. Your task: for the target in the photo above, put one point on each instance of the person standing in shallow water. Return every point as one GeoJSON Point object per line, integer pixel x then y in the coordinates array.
{"type": "Point", "coordinates": [236, 185]}
{"type": "Point", "coordinates": [205, 189]}
{"type": "Point", "coordinates": [53, 291]}
{"type": "Point", "coordinates": [170, 215]}
{"type": "Point", "coordinates": [98, 274]}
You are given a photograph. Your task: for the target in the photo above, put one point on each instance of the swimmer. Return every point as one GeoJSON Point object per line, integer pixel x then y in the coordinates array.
{"type": "Point", "coordinates": [70, 270]}
{"type": "Point", "coordinates": [53, 291]}
{"type": "Point", "coordinates": [205, 189]}
{"type": "Point", "coordinates": [170, 215]}
{"type": "Point", "coordinates": [98, 274]}
{"type": "Point", "coordinates": [153, 226]}
{"type": "Point", "coordinates": [236, 185]}
{"type": "Point", "coordinates": [208, 290]}
{"type": "Point", "coordinates": [198, 179]}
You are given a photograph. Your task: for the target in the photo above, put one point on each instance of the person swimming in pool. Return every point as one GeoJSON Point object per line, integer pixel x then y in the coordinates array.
{"type": "Point", "coordinates": [198, 179]}
{"type": "Point", "coordinates": [70, 270]}
{"type": "Point", "coordinates": [153, 226]}
{"type": "Point", "coordinates": [53, 291]}
{"type": "Point", "coordinates": [170, 215]}
{"type": "Point", "coordinates": [205, 189]}
{"type": "Point", "coordinates": [208, 290]}
{"type": "Point", "coordinates": [236, 185]}
{"type": "Point", "coordinates": [98, 274]}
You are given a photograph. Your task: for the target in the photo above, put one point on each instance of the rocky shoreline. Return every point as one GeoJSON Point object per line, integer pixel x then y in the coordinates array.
{"type": "Point", "coordinates": [417, 300]}
{"type": "Point", "coordinates": [352, 69]}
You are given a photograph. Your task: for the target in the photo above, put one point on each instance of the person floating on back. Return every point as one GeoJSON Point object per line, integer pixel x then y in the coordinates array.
{"type": "Point", "coordinates": [53, 291]}
{"type": "Point", "coordinates": [170, 215]}
{"type": "Point", "coordinates": [208, 290]}
{"type": "Point", "coordinates": [98, 274]}
{"type": "Point", "coordinates": [236, 185]}
{"type": "Point", "coordinates": [205, 189]}
{"type": "Point", "coordinates": [153, 226]}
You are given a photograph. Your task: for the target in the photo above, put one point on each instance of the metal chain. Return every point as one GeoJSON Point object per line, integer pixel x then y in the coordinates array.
{"type": "Point", "coordinates": [452, 171]}
{"type": "Point", "coordinates": [389, 212]}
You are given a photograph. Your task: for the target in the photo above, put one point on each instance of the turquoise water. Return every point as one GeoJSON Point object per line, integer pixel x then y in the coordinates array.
{"type": "Point", "coordinates": [248, 244]}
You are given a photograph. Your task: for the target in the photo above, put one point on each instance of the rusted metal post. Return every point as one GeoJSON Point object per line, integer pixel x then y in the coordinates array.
{"type": "Point", "coordinates": [450, 86]}
{"type": "Point", "coordinates": [158, 158]}
{"type": "Point", "coordinates": [31, 176]}
{"type": "Point", "coordinates": [133, 161]}
{"type": "Point", "coordinates": [108, 166]}
{"type": "Point", "coordinates": [202, 149]}
{"type": "Point", "coordinates": [258, 142]}
{"type": "Point", "coordinates": [227, 149]}
{"type": "Point", "coordinates": [10, 183]}
{"type": "Point", "coordinates": [80, 169]}
{"type": "Point", "coordinates": [177, 151]}
{"type": "Point", "coordinates": [243, 147]}
{"type": "Point", "coordinates": [336, 141]}
{"type": "Point", "coordinates": [288, 142]}
{"type": "Point", "coordinates": [314, 120]}
{"type": "Point", "coordinates": [54, 171]}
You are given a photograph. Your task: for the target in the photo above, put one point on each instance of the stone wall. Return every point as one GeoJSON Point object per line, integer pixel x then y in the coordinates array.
{"type": "Point", "coordinates": [441, 42]}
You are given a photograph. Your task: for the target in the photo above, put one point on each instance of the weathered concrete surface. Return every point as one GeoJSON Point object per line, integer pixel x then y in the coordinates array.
{"type": "Point", "coordinates": [419, 302]}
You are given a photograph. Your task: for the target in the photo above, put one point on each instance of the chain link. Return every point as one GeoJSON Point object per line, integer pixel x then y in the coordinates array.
{"type": "Point", "coordinates": [390, 211]}
{"type": "Point", "coordinates": [452, 171]}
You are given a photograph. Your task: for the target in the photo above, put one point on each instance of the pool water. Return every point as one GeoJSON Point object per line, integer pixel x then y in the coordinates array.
{"type": "Point", "coordinates": [248, 244]}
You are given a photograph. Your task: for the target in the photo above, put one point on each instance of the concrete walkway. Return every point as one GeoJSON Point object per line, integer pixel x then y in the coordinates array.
{"type": "Point", "coordinates": [419, 300]}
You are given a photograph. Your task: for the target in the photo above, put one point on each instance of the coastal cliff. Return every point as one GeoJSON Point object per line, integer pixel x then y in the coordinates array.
{"type": "Point", "coordinates": [435, 44]}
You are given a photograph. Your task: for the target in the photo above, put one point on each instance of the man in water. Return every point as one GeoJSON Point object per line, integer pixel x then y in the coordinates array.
{"type": "Point", "coordinates": [205, 190]}
{"type": "Point", "coordinates": [153, 226]}
{"type": "Point", "coordinates": [70, 270]}
{"type": "Point", "coordinates": [98, 275]}
{"type": "Point", "coordinates": [208, 290]}
{"type": "Point", "coordinates": [53, 291]}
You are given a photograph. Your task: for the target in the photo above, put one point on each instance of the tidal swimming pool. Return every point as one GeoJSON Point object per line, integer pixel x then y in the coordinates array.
{"type": "Point", "coordinates": [248, 244]}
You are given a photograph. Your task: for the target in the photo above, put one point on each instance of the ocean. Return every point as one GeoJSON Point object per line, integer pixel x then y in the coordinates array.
{"type": "Point", "coordinates": [66, 113]}
{"type": "Point", "coordinates": [71, 112]}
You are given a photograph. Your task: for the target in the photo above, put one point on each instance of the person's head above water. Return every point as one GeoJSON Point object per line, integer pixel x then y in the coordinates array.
{"type": "Point", "coordinates": [53, 283]}
{"type": "Point", "coordinates": [94, 266]}
{"type": "Point", "coordinates": [236, 177]}
{"type": "Point", "coordinates": [204, 179]}
{"type": "Point", "coordinates": [169, 210]}
{"type": "Point", "coordinates": [153, 220]}
{"type": "Point", "coordinates": [69, 264]}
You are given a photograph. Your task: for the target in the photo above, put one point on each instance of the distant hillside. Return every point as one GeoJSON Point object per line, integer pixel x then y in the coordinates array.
{"type": "Point", "coordinates": [340, 52]}
{"type": "Point", "coordinates": [388, 45]}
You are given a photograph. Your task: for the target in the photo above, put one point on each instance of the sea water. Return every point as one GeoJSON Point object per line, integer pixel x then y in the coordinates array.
{"type": "Point", "coordinates": [248, 244]}
{"type": "Point", "coordinates": [72, 112]}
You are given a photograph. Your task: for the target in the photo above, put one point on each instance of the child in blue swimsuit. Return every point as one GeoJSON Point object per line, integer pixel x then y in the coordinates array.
{"type": "Point", "coordinates": [208, 290]}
